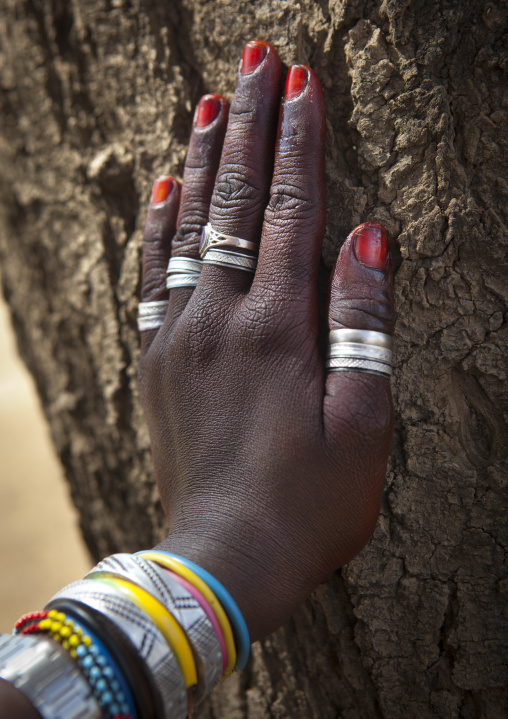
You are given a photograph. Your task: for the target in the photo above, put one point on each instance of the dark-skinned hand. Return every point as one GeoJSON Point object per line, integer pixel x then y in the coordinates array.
{"type": "Point", "coordinates": [270, 470]}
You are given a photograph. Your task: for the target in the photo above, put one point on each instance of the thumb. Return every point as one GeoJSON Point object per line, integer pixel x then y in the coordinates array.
{"type": "Point", "coordinates": [358, 409]}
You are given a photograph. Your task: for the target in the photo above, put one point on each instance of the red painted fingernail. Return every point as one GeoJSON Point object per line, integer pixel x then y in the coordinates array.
{"type": "Point", "coordinates": [162, 188]}
{"type": "Point", "coordinates": [371, 245]}
{"type": "Point", "coordinates": [296, 81]}
{"type": "Point", "coordinates": [253, 55]}
{"type": "Point", "coordinates": [207, 110]}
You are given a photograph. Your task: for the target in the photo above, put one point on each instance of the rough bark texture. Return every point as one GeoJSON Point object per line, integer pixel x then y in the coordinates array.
{"type": "Point", "coordinates": [97, 99]}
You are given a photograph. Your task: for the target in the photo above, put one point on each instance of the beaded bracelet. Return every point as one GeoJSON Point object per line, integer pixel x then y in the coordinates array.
{"type": "Point", "coordinates": [104, 678]}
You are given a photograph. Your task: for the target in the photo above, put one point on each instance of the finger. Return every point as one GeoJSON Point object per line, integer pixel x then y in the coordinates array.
{"type": "Point", "coordinates": [160, 227]}
{"type": "Point", "coordinates": [295, 216]}
{"type": "Point", "coordinates": [358, 411]}
{"type": "Point", "coordinates": [200, 171]}
{"type": "Point", "coordinates": [243, 180]}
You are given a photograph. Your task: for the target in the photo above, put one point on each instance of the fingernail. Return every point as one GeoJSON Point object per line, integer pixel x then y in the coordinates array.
{"type": "Point", "coordinates": [253, 55]}
{"type": "Point", "coordinates": [207, 110]}
{"type": "Point", "coordinates": [371, 245]}
{"type": "Point", "coordinates": [161, 189]}
{"type": "Point", "coordinates": [296, 81]}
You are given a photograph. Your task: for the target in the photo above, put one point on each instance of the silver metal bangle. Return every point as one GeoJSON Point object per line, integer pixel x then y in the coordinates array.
{"type": "Point", "coordinates": [211, 238]}
{"type": "Point", "coordinates": [183, 265]}
{"type": "Point", "coordinates": [145, 637]}
{"type": "Point", "coordinates": [181, 280]}
{"type": "Point", "coordinates": [182, 605]}
{"type": "Point", "coordinates": [224, 258]}
{"type": "Point", "coordinates": [47, 676]}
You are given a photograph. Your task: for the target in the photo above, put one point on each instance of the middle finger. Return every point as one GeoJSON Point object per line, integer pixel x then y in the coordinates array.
{"type": "Point", "coordinates": [245, 172]}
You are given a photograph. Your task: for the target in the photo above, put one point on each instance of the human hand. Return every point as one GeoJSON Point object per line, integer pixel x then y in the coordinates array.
{"type": "Point", "coordinates": [270, 470]}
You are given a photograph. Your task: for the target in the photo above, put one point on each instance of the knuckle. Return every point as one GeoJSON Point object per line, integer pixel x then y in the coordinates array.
{"type": "Point", "coordinates": [233, 188]}
{"type": "Point", "coordinates": [289, 198]}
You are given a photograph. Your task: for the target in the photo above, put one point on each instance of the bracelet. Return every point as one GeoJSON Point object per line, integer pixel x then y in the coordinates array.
{"type": "Point", "coordinates": [44, 672]}
{"type": "Point", "coordinates": [127, 659]}
{"type": "Point", "coordinates": [165, 677]}
{"type": "Point", "coordinates": [207, 609]}
{"type": "Point", "coordinates": [95, 663]}
{"type": "Point", "coordinates": [163, 620]}
{"type": "Point", "coordinates": [228, 603]}
{"type": "Point", "coordinates": [199, 625]}
{"type": "Point", "coordinates": [166, 560]}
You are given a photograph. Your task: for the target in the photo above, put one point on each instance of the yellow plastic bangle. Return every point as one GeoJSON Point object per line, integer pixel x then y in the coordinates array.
{"type": "Point", "coordinates": [163, 620]}
{"type": "Point", "coordinates": [210, 597]}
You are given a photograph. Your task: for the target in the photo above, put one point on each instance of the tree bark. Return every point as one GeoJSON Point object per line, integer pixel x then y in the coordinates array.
{"type": "Point", "coordinates": [97, 99]}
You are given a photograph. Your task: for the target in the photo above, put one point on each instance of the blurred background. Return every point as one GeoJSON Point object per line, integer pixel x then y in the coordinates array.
{"type": "Point", "coordinates": [41, 548]}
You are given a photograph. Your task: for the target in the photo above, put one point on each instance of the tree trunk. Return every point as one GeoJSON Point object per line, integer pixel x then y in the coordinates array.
{"type": "Point", "coordinates": [97, 99]}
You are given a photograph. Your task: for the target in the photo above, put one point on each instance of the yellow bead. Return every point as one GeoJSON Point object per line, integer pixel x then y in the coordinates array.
{"type": "Point", "coordinates": [87, 641]}
{"type": "Point", "coordinates": [55, 626]}
{"type": "Point", "coordinates": [78, 631]}
{"type": "Point", "coordinates": [44, 624]}
{"type": "Point", "coordinates": [65, 631]}
{"type": "Point", "coordinates": [61, 617]}
{"type": "Point", "coordinates": [56, 637]}
{"type": "Point", "coordinates": [74, 640]}
{"type": "Point", "coordinates": [65, 644]}
{"type": "Point", "coordinates": [73, 653]}
{"type": "Point", "coordinates": [53, 614]}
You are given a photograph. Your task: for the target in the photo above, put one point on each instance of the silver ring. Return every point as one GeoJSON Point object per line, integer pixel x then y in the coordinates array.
{"type": "Point", "coordinates": [360, 351]}
{"type": "Point", "coordinates": [150, 309]}
{"type": "Point", "coordinates": [183, 265]}
{"type": "Point", "coordinates": [211, 238]}
{"type": "Point", "coordinates": [143, 634]}
{"type": "Point", "coordinates": [181, 280]}
{"type": "Point", "coordinates": [151, 315]}
{"type": "Point", "coordinates": [366, 337]}
{"type": "Point", "coordinates": [358, 364]}
{"type": "Point", "coordinates": [230, 259]}
{"type": "Point", "coordinates": [182, 605]}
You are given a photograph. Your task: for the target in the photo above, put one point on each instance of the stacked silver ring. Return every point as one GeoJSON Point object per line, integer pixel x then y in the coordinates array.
{"type": "Point", "coordinates": [360, 351]}
{"type": "Point", "coordinates": [151, 315]}
{"type": "Point", "coordinates": [212, 250]}
{"type": "Point", "coordinates": [181, 604]}
{"type": "Point", "coordinates": [182, 272]}
{"type": "Point", "coordinates": [143, 635]}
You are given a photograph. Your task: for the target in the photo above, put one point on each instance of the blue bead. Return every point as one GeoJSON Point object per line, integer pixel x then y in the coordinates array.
{"type": "Point", "coordinates": [88, 662]}
{"type": "Point", "coordinates": [125, 708]}
{"type": "Point", "coordinates": [106, 698]}
{"type": "Point", "coordinates": [93, 649]}
{"type": "Point", "coordinates": [108, 672]}
{"type": "Point", "coordinates": [81, 650]}
{"type": "Point", "coordinates": [115, 709]}
{"type": "Point", "coordinates": [95, 672]}
{"type": "Point", "coordinates": [101, 660]}
{"type": "Point", "coordinates": [92, 681]}
{"type": "Point", "coordinates": [115, 685]}
{"type": "Point", "coordinates": [101, 685]}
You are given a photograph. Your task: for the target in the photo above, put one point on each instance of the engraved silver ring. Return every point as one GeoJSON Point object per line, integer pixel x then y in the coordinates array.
{"type": "Point", "coordinates": [360, 351]}
{"type": "Point", "coordinates": [211, 238]}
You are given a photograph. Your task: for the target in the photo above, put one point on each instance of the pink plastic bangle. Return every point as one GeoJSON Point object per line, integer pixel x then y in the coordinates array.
{"type": "Point", "coordinates": [208, 611]}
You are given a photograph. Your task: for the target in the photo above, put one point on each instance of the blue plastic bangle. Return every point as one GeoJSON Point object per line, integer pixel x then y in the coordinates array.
{"type": "Point", "coordinates": [229, 605]}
